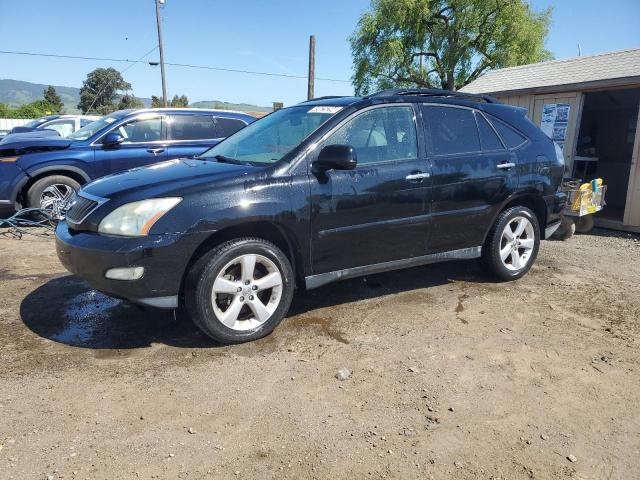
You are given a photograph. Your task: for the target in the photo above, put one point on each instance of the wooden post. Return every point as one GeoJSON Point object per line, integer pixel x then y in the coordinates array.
{"type": "Point", "coordinates": [312, 66]}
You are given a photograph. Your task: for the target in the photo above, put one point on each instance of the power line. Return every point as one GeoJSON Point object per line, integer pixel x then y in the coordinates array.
{"type": "Point", "coordinates": [121, 72]}
{"type": "Point", "coordinates": [185, 65]}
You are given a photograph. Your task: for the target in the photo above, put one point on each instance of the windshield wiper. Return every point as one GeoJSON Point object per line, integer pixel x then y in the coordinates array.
{"type": "Point", "coordinates": [225, 159]}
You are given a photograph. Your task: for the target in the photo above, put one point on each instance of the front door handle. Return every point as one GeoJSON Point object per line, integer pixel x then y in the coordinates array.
{"type": "Point", "coordinates": [506, 165]}
{"type": "Point", "coordinates": [417, 176]}
{"type": "Point", "coordinates": [155, 151]}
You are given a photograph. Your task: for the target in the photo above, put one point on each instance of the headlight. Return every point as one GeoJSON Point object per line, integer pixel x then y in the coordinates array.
{"type": "Point", "coordinates": [136, 219]}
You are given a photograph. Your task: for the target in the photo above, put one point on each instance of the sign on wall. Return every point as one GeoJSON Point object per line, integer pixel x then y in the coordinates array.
{"type": "Point", "coordinates": [555, 117]}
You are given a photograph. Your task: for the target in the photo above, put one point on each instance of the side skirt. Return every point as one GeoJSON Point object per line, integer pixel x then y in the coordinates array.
{"type": "Point", "coordinates": [315, 281]}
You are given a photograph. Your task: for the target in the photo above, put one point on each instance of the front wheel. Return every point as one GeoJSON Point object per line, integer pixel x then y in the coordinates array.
{"type": "Point", "coordinates": [512, 244]}
{"type": "Point", "coordinates": [240, 291]}
{"type": "Point", "coordinates": [52, 193]}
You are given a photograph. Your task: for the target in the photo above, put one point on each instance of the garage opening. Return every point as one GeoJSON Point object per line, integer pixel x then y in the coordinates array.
{"type": "Point", "coordinates": [605, 144]}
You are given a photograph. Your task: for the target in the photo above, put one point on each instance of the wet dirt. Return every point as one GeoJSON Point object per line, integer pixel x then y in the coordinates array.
{"type": "Point", "coordinates": [453, 376]}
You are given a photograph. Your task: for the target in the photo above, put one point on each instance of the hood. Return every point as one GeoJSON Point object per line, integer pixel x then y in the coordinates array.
{"type": "Point", "coordinates": [44, 133]}
{"type": "Point", "coordinates": [166, 177]}
{"type": "Point", "coordinates": [22, 145]}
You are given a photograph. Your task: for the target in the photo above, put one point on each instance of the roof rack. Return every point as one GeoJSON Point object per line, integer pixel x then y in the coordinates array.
{"type": "Point", "coordinates": [433, 92]}
{"type": "Point", "coordinates": [327, 97]}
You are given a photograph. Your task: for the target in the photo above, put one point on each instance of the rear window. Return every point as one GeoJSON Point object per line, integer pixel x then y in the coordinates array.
{"type": "Point", "coordinates": [510, 137]}
{"type": "Point", "coordinates": [191, 127]}
{"type": "Point", "coordinates": [225, 127]}
{"type": "Point", "coordinates": [452, 130]}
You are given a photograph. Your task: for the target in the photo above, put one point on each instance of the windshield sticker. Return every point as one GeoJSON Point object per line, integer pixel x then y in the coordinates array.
{"type": "Point", "coordinates": [325, 109]}
{"type": "Point", "coordinates": [110, 119]}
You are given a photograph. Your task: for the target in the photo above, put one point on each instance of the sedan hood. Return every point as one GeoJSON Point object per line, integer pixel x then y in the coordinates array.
{"type": "Point", "coordinates": [165, 177]}
{"type": "Point", "coordinates": [18, 144]}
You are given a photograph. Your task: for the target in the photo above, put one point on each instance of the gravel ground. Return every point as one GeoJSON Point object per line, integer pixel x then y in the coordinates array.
{"type": "Point", "coordinates": [451, 376]}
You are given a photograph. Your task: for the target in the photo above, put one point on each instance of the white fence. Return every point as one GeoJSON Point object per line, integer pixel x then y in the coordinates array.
{"type": "Point", "coordinates": [7, 124]}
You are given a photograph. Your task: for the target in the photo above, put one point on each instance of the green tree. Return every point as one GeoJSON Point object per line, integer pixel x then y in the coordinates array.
{"type": "Point", "coordinates": [35, 109]}
{"type": "Point", "coordinates": [52, 97]}
{"type": "Point", "coordinates": [444, 43]}
{"type": "Point", "coordinates": [180, 101]}
{"type": "Point", "coordinates": [129, 101]}
{"type": "Point", "coordinates": [100, 90]}
{"type": "Point", "coordinates": [156, 102]}
{"type": "Point", "coordinates": [5, 111]}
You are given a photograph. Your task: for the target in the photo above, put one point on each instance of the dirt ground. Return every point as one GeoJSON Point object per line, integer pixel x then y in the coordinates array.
{"type": "Point", "coordinates": [454, 377]}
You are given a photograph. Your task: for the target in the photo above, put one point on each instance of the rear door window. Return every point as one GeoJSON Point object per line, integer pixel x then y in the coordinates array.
{"type": "Point", "coordinates": [490, 141]}
{"type": "Point", "coordinates": [191, 127]}
{"type": "Point", "coordinates": [452, 130]}
{"type": "Point", "coordinates": [225, 127]}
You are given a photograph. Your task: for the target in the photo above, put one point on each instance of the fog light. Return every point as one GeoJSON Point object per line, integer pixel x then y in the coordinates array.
{"type": "Point", "coordinates": [126, 273]}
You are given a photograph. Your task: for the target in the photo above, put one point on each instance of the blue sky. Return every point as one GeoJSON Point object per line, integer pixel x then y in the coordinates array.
{"type": "Point", "coordinates": [256, 35]}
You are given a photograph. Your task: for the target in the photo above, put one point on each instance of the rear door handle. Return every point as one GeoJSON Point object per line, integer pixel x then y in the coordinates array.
{"type": "Point", "coordinates": [506, 165]}
{"type": "Point", "coordinates": [417, 176]}
{"type": "Point", "coordinates": [155, 151]}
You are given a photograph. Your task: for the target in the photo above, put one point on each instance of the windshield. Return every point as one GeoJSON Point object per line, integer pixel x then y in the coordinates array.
{"type": "Point", "coordinates": [36, 122]}
{"type": "Point", "coordinates": [92, 128]}
{"type": "Point", "coordinates": [272, 137]}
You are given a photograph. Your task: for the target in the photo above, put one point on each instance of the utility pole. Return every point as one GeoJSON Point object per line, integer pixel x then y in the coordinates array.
{"type": "Point", "coordinates": [312, 66]}
{"type": "Point", "coordinates": [160, 47]}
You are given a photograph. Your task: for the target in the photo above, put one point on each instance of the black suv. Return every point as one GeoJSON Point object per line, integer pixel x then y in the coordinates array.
{"type": "Point", "coordinates": [325, 190]}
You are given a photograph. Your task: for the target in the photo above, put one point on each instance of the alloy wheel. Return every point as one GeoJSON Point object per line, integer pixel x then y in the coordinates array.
{"type": "Point", "coordinates": [246, 292]}
{"type": "Point", "coordinates": [55, 198]}
{"type": "Point", "coordinates": [517, 243]}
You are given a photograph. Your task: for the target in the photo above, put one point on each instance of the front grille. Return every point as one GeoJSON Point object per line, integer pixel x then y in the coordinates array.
{"type": "Point", "coordinates": [80, 209]}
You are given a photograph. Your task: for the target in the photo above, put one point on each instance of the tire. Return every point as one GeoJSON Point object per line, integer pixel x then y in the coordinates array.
{"type": "Point", "coordinates": [519, 244]}
{"type": "Point", "coordinates": [584, 224]}
{"type": "Point", "coordinates": [52, 192]}
{"type": "Point", "coordinates": [209, 305]}
{"type": "Point", "coordinates": [566, 229]}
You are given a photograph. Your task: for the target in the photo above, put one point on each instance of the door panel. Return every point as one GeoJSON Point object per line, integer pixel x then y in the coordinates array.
{"type": "Point", "coordinates": [380, 210]}
{"type": "Point", "coordinates": [144, 145]}
{"type": "Point", "coordinates": [190, 135]}
{"type": "Point", "coordinates": [467, 186]}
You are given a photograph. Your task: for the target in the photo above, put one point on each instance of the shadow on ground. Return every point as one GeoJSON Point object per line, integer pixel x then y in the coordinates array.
{"type": "Point", "coordinates": [68, 311]}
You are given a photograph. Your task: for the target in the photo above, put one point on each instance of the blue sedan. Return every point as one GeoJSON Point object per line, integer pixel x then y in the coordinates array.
{"type": "Point", "coordinates": [46, 172]}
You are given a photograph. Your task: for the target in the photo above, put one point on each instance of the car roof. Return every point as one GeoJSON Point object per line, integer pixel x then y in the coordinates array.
{"type": "Point", "coordinates": [186, 110]}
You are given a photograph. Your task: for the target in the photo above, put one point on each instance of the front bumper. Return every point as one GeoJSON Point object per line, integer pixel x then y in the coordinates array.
{"type": "Point", "coordinates": [164, 258]}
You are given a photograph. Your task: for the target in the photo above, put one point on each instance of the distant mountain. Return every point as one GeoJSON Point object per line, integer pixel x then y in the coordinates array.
{"type": "Point", "coordinates": [220, 105]}
{"type": "Point", "coordinates": [16, 93]}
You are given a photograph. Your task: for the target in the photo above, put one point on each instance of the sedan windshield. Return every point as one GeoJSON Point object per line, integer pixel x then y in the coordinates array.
{"type": "Point", "coordinates": [92, 128]}
{"type": "Point", "coordinates": [269, 139]}
{"type": "Point", "coordinates": [37, 122]}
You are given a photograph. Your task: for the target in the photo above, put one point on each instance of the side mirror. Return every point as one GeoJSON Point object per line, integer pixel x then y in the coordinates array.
{"type": "Point", "coordinates": [336, 157]}
{"type": "Point", "coordinates": [112, 139]}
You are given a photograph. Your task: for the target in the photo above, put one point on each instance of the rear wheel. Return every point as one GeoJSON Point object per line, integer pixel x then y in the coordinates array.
{"type": "Point", "coordinates": [512, 244]}
{"type": "Point", "coordinates": [52, 193]}
{"type": "Point", "coordinates": [240, 291]}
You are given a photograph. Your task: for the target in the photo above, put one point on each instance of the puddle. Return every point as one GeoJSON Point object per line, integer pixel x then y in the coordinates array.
{"type": "Point", "coordinates": [86, 315]}
{"type": "Point", "coordinates": [323, 324]}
